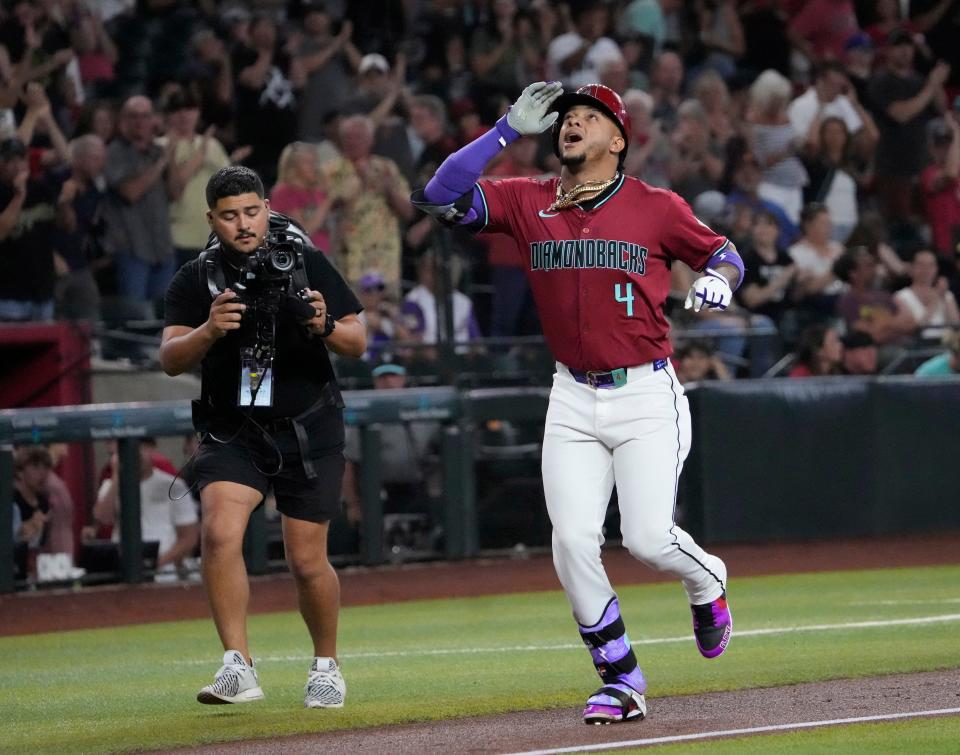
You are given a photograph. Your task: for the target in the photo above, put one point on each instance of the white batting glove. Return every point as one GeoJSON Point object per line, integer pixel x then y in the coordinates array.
{"type": "Point", "coordinates": [529, 113]}
{"type": "Point", "coordinates": [711, 291]}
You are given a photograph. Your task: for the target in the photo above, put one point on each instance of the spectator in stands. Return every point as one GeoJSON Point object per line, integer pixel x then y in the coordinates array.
{"type": "Point", "coordinates": [775, 144]}
{"type": "Point", "coordinates": [428, 120]}
{"type": "Point", "coordinates": [711, 91]}
{"type": "Point", "coordinates": [860, 355]}
{"type": "Point", "coordinates": [858, 66]}
{"type": "Point", "coordinates": [889, 19]}
{"type": "Point", "coordinates": [419, 309]}
{"type": "Point", "coordinates": [830, 96]}
{"type": "Point", "coordinates": [380, 316]}
{"type": "Point", "coordinates": [96, 53]}
{"type": "Point", "coordinates": [947, 363]}
{"type": "Point", "coordinates": [577, 57]}
{"type": "Point", "coordinates": [210, 74]}
{"type": "Point", "coordinates": [380, 93]}
{"type": "Point", "coordinates": [872, 233]}
{"type": "Point", "coordinates": [168, 512]}
{"type": "Point", "coordinates": [504, 52]}
{"type": "Point", "coordinates": [696, 361]}
{"type": "Point", "coordinates": [696, 163]}
{"type": "Point", "coordinates": [821, 29]}
{"type": "Point", "coordinates": [100, 118]}
{"type": "Point", "coordinates": [820, 352]}
{"type": "Point", "coordinates": [27, 210]}
{"type": "Point", "coordinates": [769, 271]}
{"type": "Point", "coordinates": [905, 102]}
{"type": "Point", "coordinates": [76, 234]}
{"type": "Point", "coordinates": [814, 254]}
{"type": "Point", "coordinates": [299, 194]}
{"type": "Point", "coordinates": [649, 155]}
{"type": "Point", "coordinates": [404, 448]}
{"type": "Point", "coordinates": [375, 199]}
{"type": "Point", "coordinates": [137, 206]}
{"type": "Point", "coordinates": [32, 466]}
{"type": "Point", "coordinates": [60, 537]}
{"type": "Point", "coordinates": [266, 92]}
{"type": "Point", "coordinates": [941, 185]}
{"type": "Point", "coordinates": [666, 84]}
{"type": "Point", "coordinates": [329, 61]}
{"type": "Point", "coordinates": [40, 132]}
{"type": "Point", "coordinates": [745, 176]}
{"type": "Point", "coordinates": [194, 159]}
{"type": "Point", "coordinates": [833, 177]}
{"type": "Point", "coordinates": [38, 45]}
{"type": "Point", "coordinates": [927, 304]}
{"type": "Point", "coordinates": [863, 306]}
{"type": "Point", "coordinates": [648, 18]}
{"type": "Point", "coordinates": [721, 37]}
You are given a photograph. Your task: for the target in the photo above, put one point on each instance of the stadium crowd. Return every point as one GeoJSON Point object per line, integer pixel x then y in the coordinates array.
{"type": "Point", "coordinates": [822, 136]}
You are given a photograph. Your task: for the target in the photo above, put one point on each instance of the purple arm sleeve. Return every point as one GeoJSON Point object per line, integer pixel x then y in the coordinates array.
{"type": "Point", "coordinates": [459, 172]}
{"type": "Point", "coordinates": [727, 255]}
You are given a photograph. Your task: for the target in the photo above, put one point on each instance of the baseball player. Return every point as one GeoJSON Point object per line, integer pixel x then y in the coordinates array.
{"type": "Point", "coordinates": [597, 247]}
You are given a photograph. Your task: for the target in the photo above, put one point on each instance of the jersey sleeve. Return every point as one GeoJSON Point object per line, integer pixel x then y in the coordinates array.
{"type": "Point", "coordinates": [186, 303]}
{"type": "Point", "coordinates": [325, 278]}
{"type": "Point", "coordinates": [687, 239]}
{"type": "Point", "coordinates": [501, 200]}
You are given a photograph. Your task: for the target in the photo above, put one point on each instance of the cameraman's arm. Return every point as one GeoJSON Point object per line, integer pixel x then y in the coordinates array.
{"type": "Point", "coordinates": [349, 338]}
{"type": "Point", "coordinates": [183, 347]}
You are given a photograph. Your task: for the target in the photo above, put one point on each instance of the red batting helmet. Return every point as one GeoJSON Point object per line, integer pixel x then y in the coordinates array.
{"type": "Point", "coordinates": [601, 97]}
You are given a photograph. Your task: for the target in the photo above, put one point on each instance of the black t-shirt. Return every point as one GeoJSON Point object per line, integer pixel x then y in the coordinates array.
{"type": "Point", "coordinates": [301, 366]}
{"type": "Point", "coordinates": [26, 257]}
{"type": "Point", "coordinates": [759, 272]}
{"type": "Point", "coordinates": [27, 511]}
{"type": "Point", "coordinates": [76, 246]}
{"type": "Point", "coordinates": [902, 149]}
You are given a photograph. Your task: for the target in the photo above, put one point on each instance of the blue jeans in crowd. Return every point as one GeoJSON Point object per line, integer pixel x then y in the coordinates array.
{"type": "Point", "coordinates": [143, 281]}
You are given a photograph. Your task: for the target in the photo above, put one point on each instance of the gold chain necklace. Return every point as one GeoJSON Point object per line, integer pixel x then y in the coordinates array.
{"type": "Point", "coordinates": [565, 199]}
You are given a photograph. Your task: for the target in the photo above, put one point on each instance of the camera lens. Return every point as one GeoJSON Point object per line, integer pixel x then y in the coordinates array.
{"type": "Point", "coordinates": [282, 260]}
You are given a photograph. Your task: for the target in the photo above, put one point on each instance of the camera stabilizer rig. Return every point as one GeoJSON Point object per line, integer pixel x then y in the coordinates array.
{"type": "Point", "coordinates": [266, 287]}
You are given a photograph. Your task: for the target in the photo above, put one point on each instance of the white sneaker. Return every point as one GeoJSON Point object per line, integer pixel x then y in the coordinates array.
{"type": "Point", "coordinates": [325, 685]}
{"type": "Point", "coordinates": [235, 682]}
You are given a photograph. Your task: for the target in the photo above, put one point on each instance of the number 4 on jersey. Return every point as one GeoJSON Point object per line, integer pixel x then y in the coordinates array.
{"type": "Point", "coordinates": [628, 298]}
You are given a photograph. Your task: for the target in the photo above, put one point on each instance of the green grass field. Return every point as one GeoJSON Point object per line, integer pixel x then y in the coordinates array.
{"type": "Point", "coordinates": [134, 687]}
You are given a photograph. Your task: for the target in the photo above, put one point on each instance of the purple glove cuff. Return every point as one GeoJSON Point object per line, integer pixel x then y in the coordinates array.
{"type": "Point", "coordinates": [507, 132]}
{"type": "Point", "coordinates": [727, 255]}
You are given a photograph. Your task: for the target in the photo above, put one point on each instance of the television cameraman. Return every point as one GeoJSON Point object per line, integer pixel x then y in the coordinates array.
{"type": "Point", "coordinates": [270, 414]}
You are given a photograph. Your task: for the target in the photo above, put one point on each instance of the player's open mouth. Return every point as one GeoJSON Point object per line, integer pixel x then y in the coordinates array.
{"type": "Point", "coordinates": [572, 138]}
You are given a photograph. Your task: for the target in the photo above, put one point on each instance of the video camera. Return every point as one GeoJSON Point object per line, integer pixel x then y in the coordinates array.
{"type": "Point", "coordinates": [266, 284]}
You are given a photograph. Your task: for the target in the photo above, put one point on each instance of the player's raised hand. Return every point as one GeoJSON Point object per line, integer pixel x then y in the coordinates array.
{"type": "Point", "coordinates": [711, 291]}
{"type": "Point", "coordinates": [529, 114]}
{"type": "Point", "coordinates": [225, 314]}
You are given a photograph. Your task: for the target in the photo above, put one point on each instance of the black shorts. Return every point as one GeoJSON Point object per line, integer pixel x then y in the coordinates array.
{"type": "Point", "coordinates": [249, 459]}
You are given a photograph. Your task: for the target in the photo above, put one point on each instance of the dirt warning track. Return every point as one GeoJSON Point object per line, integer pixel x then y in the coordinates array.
{"type": "Point", "coordinates": [670, 719]}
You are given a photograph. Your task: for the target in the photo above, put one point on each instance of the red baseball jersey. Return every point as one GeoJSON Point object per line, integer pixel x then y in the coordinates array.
{"type": "Point", "coordinates": [600, 277]}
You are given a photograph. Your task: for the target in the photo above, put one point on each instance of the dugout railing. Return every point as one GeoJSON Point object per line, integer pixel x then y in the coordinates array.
{"type": "Point", "coordinates": [457, 411]}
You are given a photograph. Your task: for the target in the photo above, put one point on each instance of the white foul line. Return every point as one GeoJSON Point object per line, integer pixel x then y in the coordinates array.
{"type": "Point", "coordinates": [737, 633]}
{"type": "Point", "coordinates": [738, 732]}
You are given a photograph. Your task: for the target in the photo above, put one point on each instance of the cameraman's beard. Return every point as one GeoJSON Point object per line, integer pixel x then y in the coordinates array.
{"type": "Point", "coordinates": [234, 255]}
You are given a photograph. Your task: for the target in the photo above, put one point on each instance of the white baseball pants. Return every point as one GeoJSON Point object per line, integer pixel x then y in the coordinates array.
{"type": "Point", "coordinates": [637, 437]}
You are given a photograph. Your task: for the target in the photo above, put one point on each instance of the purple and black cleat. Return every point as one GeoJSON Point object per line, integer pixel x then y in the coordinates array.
{"type": "Point", "coordinates": [613, 703]}
{"type": "Point", "coordinates": [712, 626]}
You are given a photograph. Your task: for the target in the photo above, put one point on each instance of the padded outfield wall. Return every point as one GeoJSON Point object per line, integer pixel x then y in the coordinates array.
{"type": "Point", "coordinates": [822, 457]}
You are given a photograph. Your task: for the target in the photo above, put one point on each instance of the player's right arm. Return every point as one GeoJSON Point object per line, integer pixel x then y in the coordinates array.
{"type": "Point", "coordinates": [450, 195]}
{"type": "Point", "coordinates": [182, 348]}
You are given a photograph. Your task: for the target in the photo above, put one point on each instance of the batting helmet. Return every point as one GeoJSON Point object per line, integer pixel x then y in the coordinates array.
{"type": "Point", "coordinates": [605, 100]}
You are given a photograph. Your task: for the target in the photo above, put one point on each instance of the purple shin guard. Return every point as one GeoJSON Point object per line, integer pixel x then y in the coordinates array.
{"type": "Point", "coordinates": [610, 650]}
